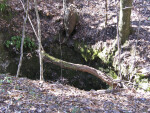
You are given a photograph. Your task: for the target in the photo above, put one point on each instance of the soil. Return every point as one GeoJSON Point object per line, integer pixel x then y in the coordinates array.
{"type": "Point", "coordinates": [24, 95]}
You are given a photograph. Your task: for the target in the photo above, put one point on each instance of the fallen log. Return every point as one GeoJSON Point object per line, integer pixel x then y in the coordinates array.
{"type": "Point", "coordinates": [84, 68]}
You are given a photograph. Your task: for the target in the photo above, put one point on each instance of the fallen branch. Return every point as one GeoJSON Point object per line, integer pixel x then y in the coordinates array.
{"type": "Point", "coordinates": [82, 68]}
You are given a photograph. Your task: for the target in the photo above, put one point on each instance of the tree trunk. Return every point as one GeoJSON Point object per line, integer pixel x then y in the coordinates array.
{"type": "Point", "coordinates": [124, 19]}
{"type": "Point", "coordinates": [39, 41]}
{"type": "Point", "coordinates": [82, 68]}
{"type": "Point", "coordinates": [22, 40]}
{"type": "Point", "coordinates": [106, 10]}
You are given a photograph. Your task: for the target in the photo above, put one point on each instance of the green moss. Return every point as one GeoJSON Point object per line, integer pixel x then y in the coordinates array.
{"type": "Point", "coordinates": [51, 57]}
{"type": "Point", "coordinates": [142, 81]}
{"type": "Point", "coordinates": [108, 52]}
{"type": "Point", "coordinates": [140, 76]}
{"type": "Point", "coordinates": [89, 53]}
{"type": "Point", "coordinates": [144, 84]}
{"type": "Point", "coordinates": [148, 89]}
{"type": "Point", "coordinates": [58, 61]}
{"type": "Point", "coordinates": [105, 57]}
{"type": "Point", "coordinates": [137, 81]}
{"type": "Point", "coordinates": [113, 74]}
{"type": "Point", "coordinates": [109, 72]}
{"type": "Point", "coordinates": [86, 51]}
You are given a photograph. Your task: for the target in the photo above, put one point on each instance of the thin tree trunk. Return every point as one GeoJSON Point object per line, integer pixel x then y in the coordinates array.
{"type": "Point", "coordinates": [82, 68]}
{"type": "Point", "coordinates": [39, 42]}
{"type": "Point", "coordinates": [124, 19]}
{"type": "Point", "coordinates": [118, 44]}
{"type": "Point", "coordinates": [106, 18]}
{"type": "Point", "coordinates": [22, 41]}
{"type": "Point", "coordinates": [64, 7]}
{"type": "Point", "coordinates": [31, 23]}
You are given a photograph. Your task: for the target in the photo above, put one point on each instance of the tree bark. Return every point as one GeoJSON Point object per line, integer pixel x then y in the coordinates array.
{"type": "Point", "coordinates": [39, 42]}
{"type": "Point", "coordinates": [23, 37]}
{"type": "Point", "coordinates": [82, 68]}
{"type": "Point", "coordinates": [124, 19]}
{"type": "Point", "coordinates": [106, 17]}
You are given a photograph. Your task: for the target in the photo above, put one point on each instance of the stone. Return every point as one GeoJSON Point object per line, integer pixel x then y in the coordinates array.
{"type": "Point", "coordinates": [70, 19]}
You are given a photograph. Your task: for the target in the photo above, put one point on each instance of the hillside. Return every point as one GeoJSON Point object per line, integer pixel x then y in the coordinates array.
{"type": "Point", "coordinates": [19, 95]}
{"type": "Point", "coordinates": [25, 95]}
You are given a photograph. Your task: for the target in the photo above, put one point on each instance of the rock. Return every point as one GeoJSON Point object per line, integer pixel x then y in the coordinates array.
{"type": "Point", "coordinates": [148, 110]}
{"type": "Point", "coordinates": [70, 19]}
{"type": "Point", "coordinates": [145, 71]}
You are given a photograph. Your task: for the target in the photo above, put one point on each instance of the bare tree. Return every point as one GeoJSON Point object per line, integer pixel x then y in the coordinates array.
{"type": "Point", "coordinates": [39, 41]}
{"type": "Point", "coordinates": [23, 37]}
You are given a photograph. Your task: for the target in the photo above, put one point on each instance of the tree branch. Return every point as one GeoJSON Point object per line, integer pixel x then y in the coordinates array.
{"type": "Point", "coordinates": [82, 68]}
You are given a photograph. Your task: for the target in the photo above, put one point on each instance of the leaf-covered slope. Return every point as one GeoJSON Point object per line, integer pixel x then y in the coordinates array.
{"type": "Point", "coordinates": [24, 95]}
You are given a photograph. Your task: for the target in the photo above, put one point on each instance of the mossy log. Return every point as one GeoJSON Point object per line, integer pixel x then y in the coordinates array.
{"type": "Point", "coordinates": [82, 68]}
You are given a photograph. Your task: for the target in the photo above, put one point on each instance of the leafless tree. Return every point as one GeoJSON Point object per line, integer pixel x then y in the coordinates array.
{"type": "Point", "coordinates": [23, 37]}
{"type": "Point", "coordinates": [39, 41]}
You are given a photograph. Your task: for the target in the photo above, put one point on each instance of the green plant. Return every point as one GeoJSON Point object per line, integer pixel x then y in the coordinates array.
{"type": "Point", "coordinates": [15, 42]}
{"type": "Point", "coordinates": [1, 82]}
{"type": "Point", "coordinates": [3, 5]}
{"type": "Point", "coordinates": [75, 110]}
{"type": "Point", "coordinates": [148, 89]}
{"type": "Point", "coordinates": [8, 79]}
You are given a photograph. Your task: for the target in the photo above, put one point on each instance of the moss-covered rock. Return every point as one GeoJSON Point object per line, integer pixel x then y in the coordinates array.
{"type": "Point", "coordinates": [143, 84]}
{"type": "Point", "coordinates": [110, 56]}
{"type": "Point", "coordinates": [106, 55]}
{"type": "Point", "coordinates": [87, 52]}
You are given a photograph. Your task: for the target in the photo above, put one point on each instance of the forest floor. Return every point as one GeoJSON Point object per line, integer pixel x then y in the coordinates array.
{"type": "Point", "coordinates": [22, 95]}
